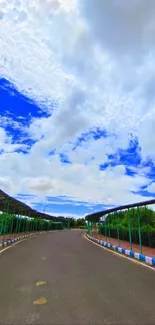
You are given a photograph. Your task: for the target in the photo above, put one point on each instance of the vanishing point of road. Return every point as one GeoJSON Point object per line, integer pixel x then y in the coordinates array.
{"type": "Point", "coordinates": [82, 284]}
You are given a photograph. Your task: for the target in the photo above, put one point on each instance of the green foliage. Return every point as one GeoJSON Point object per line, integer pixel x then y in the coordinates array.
{"type": "Point", "coordinates": [13, 224]}
{"type": "Point", "coordinates": [73, 223]}
{"type": "Point", "coordinates": [121, 218]}
{"type": "Point", "coordinates": [83, 227]}
{"type": "Point", "coordinates": [117, 225]}
{"type": "Point", "coordinates": [81, 223]}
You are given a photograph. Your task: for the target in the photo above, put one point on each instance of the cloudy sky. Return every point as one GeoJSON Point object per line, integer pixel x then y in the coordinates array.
{"type": "Point", "coordinates": [77, 103]}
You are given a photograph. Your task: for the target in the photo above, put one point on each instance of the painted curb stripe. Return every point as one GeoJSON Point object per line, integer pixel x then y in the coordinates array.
{"type": "Point", "coordinates": [10, 241]}
{"type": "Point", "coordinates": [147, 259]}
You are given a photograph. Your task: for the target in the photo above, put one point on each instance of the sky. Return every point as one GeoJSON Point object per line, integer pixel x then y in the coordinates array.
{"type": "Point", "coordinates": [77, 103]}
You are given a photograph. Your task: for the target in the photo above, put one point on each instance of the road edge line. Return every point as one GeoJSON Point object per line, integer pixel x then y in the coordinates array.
{"type": "Point", "coordinates": [12, 242]}
{"type": "Point", "coordinates": [120, 254]}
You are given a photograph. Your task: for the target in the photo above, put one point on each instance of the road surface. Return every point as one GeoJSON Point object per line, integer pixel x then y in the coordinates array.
{"type": "Point", "coordinates": [84, 284]}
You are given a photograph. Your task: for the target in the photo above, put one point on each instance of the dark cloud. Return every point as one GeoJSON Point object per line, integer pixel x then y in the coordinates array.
{"type": "Point", "coordinates": [121, 26]}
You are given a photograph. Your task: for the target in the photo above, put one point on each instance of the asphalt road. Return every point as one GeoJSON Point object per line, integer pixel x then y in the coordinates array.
{"type": "Point", "coordinates": [85, 284]}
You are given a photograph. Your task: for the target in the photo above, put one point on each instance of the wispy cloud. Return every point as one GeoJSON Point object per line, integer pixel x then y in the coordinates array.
{"type": "Point", "coordinates": [66, 215]}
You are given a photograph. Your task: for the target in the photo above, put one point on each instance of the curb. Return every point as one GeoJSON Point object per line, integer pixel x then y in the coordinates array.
{"type": "Point", "coordinates": [140, 257]}
{"type": "Point", "coordinates": [11, 241]}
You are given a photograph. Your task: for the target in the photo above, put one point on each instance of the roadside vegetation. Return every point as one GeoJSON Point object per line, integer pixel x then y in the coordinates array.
{"type": "Point", "coordinates": [138, 222]}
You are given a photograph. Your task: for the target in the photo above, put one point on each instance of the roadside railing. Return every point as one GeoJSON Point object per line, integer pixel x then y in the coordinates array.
{"type": "Point", "coordinates": [133, 224]}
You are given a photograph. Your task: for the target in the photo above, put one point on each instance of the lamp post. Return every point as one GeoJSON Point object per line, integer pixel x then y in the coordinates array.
{"type": "Point", "coordinates": [45, 207]}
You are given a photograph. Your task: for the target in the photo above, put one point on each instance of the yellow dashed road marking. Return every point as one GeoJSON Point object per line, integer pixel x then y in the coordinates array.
{"type": "Point", "coordinates": [40, 283]}
{"type": "Point", "coordinates": [40, 301]}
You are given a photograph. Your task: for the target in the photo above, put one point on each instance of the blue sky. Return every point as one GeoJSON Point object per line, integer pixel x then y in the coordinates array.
{"type": "Point", "coordinates": [77, 104]}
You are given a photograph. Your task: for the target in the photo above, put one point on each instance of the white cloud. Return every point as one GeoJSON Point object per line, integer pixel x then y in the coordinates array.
{"type": "Point", "coordinates": [73, 203]}
{"type": "Point", "coordinates": [66, 215]}
{"type": "Point", "coordinates": [94, 60]}
{"type": "Point", "coordinates": [60, 62]}
{"type": "Point", "coordinates": [84, 181]}
{"type": "Point", "coordinates": [7, 184]}
{"type": "Point", "coordinates": [146, 137]}
{"type": "Point", "coordinates": [6, 143]}
{"type": "Point", "coordinates": [151, 188]}
{"type": "Point", "coordinates": [121, 26]}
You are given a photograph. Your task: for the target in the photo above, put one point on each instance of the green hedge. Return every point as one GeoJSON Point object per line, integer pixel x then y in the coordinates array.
{"type": "Point", "coordinates": [119, 222]}
{"type": "Point", "coordinates": [83, 227]}
{"type": "Point", "coordinates": [11, 224]}
{"type": "Point", "coordinates": [148, 238]}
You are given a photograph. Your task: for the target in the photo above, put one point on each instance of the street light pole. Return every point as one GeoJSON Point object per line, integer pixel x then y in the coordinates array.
{"type": "Point", "coordinates": [45, 207]}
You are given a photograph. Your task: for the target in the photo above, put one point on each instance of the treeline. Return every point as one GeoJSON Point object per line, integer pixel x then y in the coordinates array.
{"type": "Point", "coordinates": [73, 223]}
{"type": "Point", "coordinates": [137, 223]}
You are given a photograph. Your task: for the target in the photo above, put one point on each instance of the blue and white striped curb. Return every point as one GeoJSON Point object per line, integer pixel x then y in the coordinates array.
{"type": "Point", "coordinates": [10, 241]}
{"type": "Point", "coordinates": [141, 257]}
